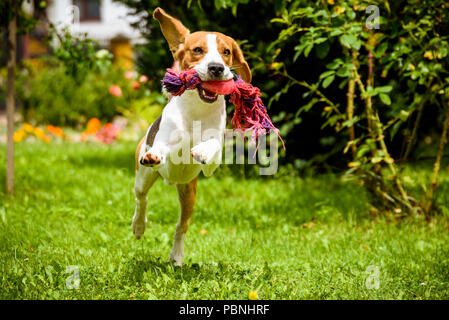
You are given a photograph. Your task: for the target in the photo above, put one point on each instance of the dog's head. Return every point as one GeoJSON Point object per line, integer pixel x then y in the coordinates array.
{"type": "Point", "coordinates": [211, 54]}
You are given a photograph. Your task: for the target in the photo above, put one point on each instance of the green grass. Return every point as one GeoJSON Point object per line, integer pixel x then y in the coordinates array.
{"type": "Point", "coordinates": [74, 204]}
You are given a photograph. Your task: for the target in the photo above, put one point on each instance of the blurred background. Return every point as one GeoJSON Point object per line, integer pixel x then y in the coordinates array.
{"type": "Point", "coordinates": [351, 84]}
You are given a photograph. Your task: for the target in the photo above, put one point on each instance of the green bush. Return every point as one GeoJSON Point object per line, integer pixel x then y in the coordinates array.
{"type": "Point", "coordinates": [80, 82]}
{"type": "Point", "coordinates": [54, 97]}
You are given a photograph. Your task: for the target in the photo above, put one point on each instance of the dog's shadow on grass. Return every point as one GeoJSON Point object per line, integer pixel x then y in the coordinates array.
{"type": "Point", "coordinates": [121, 159]}
{"type": "Point", "coordinates": [137, 267]}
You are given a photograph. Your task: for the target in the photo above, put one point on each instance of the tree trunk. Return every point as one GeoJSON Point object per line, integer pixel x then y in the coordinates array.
{"type": "Point", "coordinates": [350, 105]}
{"type": "Point", "coordinates": [10, 105]}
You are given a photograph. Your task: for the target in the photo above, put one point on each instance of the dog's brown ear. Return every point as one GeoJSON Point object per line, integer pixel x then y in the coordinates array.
{"type": "Point", "coordinates": [172, 29]}
{"type": "Point", "coordinates": [239, 63]}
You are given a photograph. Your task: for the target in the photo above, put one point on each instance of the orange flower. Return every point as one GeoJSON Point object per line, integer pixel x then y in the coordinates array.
{"type": "Point", "coordinates": [19, 135]}
{"type": "Point", "coordinates": [39, 132]}
{"type": "Point", "coordinates": [56, 131]}
{"type": "Point", "coordinates": [28, 128]}
{"type": "Point", "coordinates": [93, 125]}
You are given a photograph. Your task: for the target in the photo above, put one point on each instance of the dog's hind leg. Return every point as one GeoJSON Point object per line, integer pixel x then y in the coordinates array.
{"type": "Point", "coordinates": [145, 178]}
{"type": "Point", "coordinates": [187, 197]}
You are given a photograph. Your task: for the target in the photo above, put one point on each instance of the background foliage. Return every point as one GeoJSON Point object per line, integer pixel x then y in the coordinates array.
{"type": "Point", "coordinates": [73, 84]}
{"type": "Point", "coordinates": [346, 96]}
{"type": "Point", "coordinates": [370, 93]}
{"type": "Point", "coordinates": [303, 38]}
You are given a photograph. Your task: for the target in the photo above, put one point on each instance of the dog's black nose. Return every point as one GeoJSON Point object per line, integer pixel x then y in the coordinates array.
{"type": "Point", "coordinates": [215, 69]}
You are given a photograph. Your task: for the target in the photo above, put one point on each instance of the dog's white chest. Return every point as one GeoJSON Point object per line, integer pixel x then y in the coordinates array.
{"type": "Point", "coordinates": [189, 129]}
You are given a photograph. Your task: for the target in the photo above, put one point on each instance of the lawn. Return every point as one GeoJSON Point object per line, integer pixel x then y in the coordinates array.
{"type": "Point", "coordinates": [285, 237]}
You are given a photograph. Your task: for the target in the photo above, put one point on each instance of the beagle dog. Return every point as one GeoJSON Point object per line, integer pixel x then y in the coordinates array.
{"type": "Point", "coordinates": [188, 137]}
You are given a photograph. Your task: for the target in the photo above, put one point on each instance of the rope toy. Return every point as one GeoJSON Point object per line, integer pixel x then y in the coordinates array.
{"type": "Point", "coordinates": [250, 113]}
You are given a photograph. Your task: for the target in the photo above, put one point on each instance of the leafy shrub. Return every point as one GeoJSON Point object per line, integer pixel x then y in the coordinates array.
{"type": "Point", "coordinates": [78, 54]}
{"type": "Point", "coordinates": [389, 73]}
{"type": "Point", "coordinates": [80, 82]}
{"type": "Point", "coordinates": [52, 96]}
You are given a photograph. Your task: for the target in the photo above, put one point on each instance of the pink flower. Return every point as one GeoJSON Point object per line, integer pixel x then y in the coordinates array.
{"type": "Point", "coordinates": [115, 91]}
{"type": "Point", "coordinates": [135, 85]}
{"type": "Point", "coordinates": [130, 75]}
{"type": "Point", "coordinates": [108, 133]}
{"type": "Point", "coordinates": [143, 78]}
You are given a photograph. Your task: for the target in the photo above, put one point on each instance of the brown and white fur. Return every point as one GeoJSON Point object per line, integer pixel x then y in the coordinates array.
{"type": "Point", "coordinates": [195, 112]}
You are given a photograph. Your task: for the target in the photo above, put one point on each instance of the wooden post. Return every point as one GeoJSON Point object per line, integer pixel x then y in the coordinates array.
{"type": "Point", "coordinates": [12, 34]}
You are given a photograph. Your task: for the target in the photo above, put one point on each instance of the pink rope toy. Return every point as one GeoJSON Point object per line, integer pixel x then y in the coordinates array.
{"type": "Point", "coordinates": [250, 113]}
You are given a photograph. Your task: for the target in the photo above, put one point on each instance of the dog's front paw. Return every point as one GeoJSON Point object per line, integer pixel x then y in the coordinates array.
{"type": "Point", "coordinates": [151, 158]}
{"type": "Point", "coordinates": [205, 152]}
{"type": "Point", "coordinates": [139, 226]}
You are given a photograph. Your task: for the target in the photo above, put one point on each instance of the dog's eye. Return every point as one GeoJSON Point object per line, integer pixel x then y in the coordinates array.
{"type": "Point", "coordinates": [226, 52]}
{"type": "Point", "coordinates": [198, 50]}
